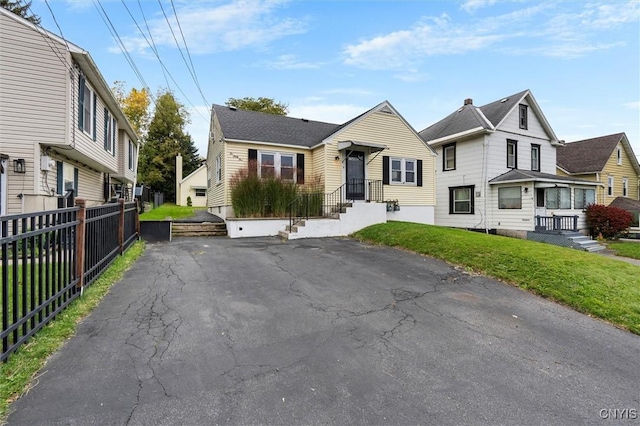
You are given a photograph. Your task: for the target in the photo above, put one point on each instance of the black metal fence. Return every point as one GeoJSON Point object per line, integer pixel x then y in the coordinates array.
{"type": "Point", "coordinates": [327, 205]}
{"type": "Point", "coordinates": [47, 257]}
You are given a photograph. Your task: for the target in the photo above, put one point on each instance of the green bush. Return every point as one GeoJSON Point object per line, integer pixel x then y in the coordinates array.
{"type": "Point", "coordinates": [247, 194]}
{"type": "Point", "coordinates": [189, 202]}
{"type": "Point", "coordinates": [278, 195]}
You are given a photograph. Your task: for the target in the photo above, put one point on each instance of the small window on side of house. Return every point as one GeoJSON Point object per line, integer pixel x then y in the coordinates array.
{"type": "Point", "coordinates": [619, 156]}
{"type": "Point", "coordinates": [219, 168]}
{"type": "Point", "coordinates": [449, 157]}
{"type": "Point", "coordinates": [512, 154]}
{"type": "Point", "coordinates": [201, 192]}
{"type": "Point", "coordinates": [625, 187]}
{"type": "Point", "coordinates": [510, 197]}
{"type": "Point", "coordinates": [583, 197]}
{"type": "Point", "coordinates": [403, 171]}
{"type": "Point", "coordinates": [610, 186]}
{"type": "Point", "coordinates": [535, 158]}
{"type": "Point", "coordinates": [461, 200]}
{"type": "Point", "coordinates": [524, 119]}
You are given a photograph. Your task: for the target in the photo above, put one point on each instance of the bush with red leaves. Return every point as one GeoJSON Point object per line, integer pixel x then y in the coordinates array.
{"type": "Point", "coordinates": [608, 221]}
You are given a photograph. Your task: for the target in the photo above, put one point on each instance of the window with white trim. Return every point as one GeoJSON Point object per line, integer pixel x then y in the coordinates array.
{"type": "Point", "coordinates": [619, 156]}
{"type": "Point", "coordinates": [449, 157]}
{"type": "Point", "coordinates": [558, 198]}
{"type": "Point", "coordinates": [131, 155]}
{"type": "Point", "coordinates": [510, 197]}
{"type": "Point", "coordinates": [610, 186]}
{"type": "Point", "coordinates": [277, 164]}
{"type": "Point", "coordinates": [219, 168]}
{"type": "Point", "coordinates": [200, 192]}
{"type": "Point", "coordinates": [524, 119]}
{"type": "Point", "coordinates": [110, 130]}
{"type": "Point", "coordinates": [86, 108]}
{"type": "Point", "coordinates": [535, 158]}
{"type": "Point", "coordinates": [512, 154]}
{"type": "Point", "coordinates": [625, 187]}
{"type": "Point", "coordinates": [583, 197]}
{"type": "Point", "coordinates": [403, 171]}
{"type": "Point", "coordinates": [461, 200]}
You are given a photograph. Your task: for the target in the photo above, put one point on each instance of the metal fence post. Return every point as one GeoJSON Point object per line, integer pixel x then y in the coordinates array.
{"type": "Point", "coordinates": [80, 241]}
{"type": "Point", "coordinates": [137, 219]}
{"type": "Point", "coordinates": [121, 225]}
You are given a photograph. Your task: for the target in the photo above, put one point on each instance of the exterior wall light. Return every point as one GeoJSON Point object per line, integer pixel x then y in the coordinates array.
{"type": "Point", "coordinates": [19, 166]}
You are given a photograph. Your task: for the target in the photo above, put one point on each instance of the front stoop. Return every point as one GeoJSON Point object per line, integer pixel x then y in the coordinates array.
{"type": "Point", "coordinates": [204, 229]}
{"type": "Point", "coordinates": [571, 239]}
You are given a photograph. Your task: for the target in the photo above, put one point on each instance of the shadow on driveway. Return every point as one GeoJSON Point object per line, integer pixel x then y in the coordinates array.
{"type": "Point", "coordinates": [327, 331]}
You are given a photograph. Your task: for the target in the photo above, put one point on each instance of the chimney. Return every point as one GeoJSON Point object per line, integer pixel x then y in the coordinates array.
{"type": "Point", "coordinates": [468, 101]}
{"type": "Point", "coordinates": [178, 179]}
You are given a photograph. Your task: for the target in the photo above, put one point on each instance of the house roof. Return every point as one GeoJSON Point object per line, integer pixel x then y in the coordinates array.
{"type": "Point", "coordinates": [244, 125]}
{"type": "Point", "coordinates": [625, 203]}
{"type": "Point", "coordinates": [470, 119]}
{"type": "Point", "coordinates": [591, 155]}
{"type": "Point", "coordinates": [516, 175]}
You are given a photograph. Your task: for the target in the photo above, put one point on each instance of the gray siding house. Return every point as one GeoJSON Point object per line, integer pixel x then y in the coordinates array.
{"type": "Point", "coordinates": [60, 126]}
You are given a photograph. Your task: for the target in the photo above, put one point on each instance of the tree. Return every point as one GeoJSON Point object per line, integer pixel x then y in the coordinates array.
{"type": "Point", "coordinates": [21, 10]}
{"type": "Point", "coordinates": [166, 139]}
{"type": "Point", "coordinates": [135, 106]}
{"type": "Point", "coordinates": [267, 105]}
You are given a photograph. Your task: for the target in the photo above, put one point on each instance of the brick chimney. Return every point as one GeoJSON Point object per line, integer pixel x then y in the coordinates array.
{"type": "Point", "coordinates": [468, 101]}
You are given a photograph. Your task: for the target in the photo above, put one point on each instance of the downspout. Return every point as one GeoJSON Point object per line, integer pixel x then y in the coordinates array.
{"type": "Point", "coordinates": [485, 181]}
{"type": "Point", "coordinates": [598, 180]}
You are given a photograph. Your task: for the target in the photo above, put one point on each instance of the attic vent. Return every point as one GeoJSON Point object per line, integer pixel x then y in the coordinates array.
{"type": "Point", "coordinates": [461, 109]}
{"type": "Point", "coordinates": [232, 108]}
{"type": "Point", "coordinates": [305, 120]}
{"type": "Point", "coordinates": [386, 110]}
{"type": "Point", "coordinates": [503, 100]}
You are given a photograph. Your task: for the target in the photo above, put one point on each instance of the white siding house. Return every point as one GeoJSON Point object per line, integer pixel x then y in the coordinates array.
{"type": "Point", "coordinates": [60, 126]}
{"type": "Point", "coordinates": [496, 170]}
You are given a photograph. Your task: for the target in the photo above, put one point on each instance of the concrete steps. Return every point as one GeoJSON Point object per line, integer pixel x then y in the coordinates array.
{"type": "Point", "coordinates": [583, 242]}
{"type": "Point", "coordinates": [571, 239]}
{"type": "Point", "coordinates": [195, 229]}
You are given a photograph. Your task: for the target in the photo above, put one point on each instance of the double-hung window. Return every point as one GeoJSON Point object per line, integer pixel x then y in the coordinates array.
{"type": "Point", "coordinates": [403, 171]}
{"type": "Point", "coordinates": [625, 187]}
{"type": "Point", "coordinates": [109, 132]}
{"type": "Point", "coordinates": [512, 154]}
{"type": "Point", "coordinates": [131, 155]}
{"type": "Point", "coordinates": [219, 168]}
{"type": "Point", "coordinates": [523, 116]}
{"type": "Point", "coordinates": [558, 198]}
{"type": "Point", "coordinates": [86, 108]}
{"type": "Point", "coordinates": [583, 197]}
{"type": "Point", "coordinates": [619, 156]}
{"type": "Point", "coordinates": [535, 158]}
{"type": "Point", "coordinates": [610, 186]}
{"type": "Point", "coordinates": [449, 157]}
{"type": "Point", "coordinates": [510, 197]}
{"type": "Point", "coordinates": [461, 200]}
{"type": "Point", "coordinates": [277, 164]}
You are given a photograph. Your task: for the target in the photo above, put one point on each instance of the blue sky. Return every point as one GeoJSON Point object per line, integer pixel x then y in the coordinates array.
{"type": "Point", "coordinates": [332, 60]}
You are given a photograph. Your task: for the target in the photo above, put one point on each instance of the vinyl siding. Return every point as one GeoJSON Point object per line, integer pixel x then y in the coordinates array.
{"type": "Point", "coordinates": [33, 87]}
{"type": "Point", "coordinates": [511, 124]}
{"type": "Point", "coordinates": [625, 170]}
{"type": "Point", "coordinates": [197, 178]}
{"type": "Point", "coordinates": [390, 130]}
{"type": "Point", "coordinates": [216, 191]}
{"type": "Point", "coordinates": [514, 219]}
{"type": "Point", "coordinates": [319, 165]}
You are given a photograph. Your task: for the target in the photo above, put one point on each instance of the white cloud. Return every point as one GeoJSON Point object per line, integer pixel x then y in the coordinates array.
{"type": "Point", "coordinates": [291, 62]}
{"type": "Point", "coordinates": [235, 25]}
{"type": "Point", "coordinates": [632, 105]}
{"type": "Point", "coordinates": [472, 5]}
{"type": "Point", "coordinates": [568, 30]}
{"type": "Point", "coordinates": [336, 113]}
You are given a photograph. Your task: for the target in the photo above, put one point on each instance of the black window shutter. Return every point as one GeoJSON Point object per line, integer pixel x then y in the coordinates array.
{"type": "Point", "coordinates": [59, 184]}
{"type": "Point", "coordinates": [300, 167]}
{"type": "Point", "coordinates": [80, 102]}
{"type": "Point", "coordinates": [75, 181]}
{"type": "Point", "coordinates": [419, 170]}
{"type": "Point", "coordinates": [253, 161]}
{"type": "Point", "coordinates": [95, 109]}
{"type": "Point", "coordinates": [450, 201]}
{"type": "Point", "coordinates": [385, 170]}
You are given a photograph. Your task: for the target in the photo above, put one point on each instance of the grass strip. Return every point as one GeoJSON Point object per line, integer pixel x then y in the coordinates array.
{"type": "Point", "coordinates": [589, 283]}
{"type": "Point", "coordinates": [625, 249]}
{"type": "Point", "coordinates": [170, 210]}
{"type": "Point", "coordinates": [17, 374]}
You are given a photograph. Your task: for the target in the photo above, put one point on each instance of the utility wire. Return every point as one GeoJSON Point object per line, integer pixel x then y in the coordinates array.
{"type": "Point", "coordinates": [193, 68]}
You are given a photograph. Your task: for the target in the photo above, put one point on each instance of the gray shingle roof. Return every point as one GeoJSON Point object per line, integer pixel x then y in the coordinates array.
{"type": "Point", "coordinates": [588, 155]}
{"type": "Point", "coordinates": [625, 203]}
{"type": "Point", "coordinates": [467, 118]}
{"type": "Point", "coordinates": [262, 127]}
{"type": "Point", "coordinates": [523, 175]}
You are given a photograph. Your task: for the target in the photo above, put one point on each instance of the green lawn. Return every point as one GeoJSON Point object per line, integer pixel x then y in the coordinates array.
{"type": "Point", "coordinates": [170, 210]}
{"type": "Point", "coordinates": [18, 372]}
{"type": "Point", "coordinates": [590, 283]}
{"type": "Point", "coordinates": [625, 249]}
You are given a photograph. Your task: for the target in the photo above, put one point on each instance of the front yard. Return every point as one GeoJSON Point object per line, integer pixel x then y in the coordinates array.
{"type": "Point", "coordinates": [590, 283]}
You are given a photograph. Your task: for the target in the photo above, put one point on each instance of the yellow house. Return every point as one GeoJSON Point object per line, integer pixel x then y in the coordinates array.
{"type": "Point", "coordinates": [376, 158]}
{"type": "Point", "coordinates": [608, 160]}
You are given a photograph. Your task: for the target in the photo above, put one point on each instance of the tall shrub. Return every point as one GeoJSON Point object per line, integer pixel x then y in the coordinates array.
{"type": "Point", "coordinates": [608, 221]}
{"type": "Point", "coordinates": [278, 194]}
{"type": "Point", "coordinates": [247, 193]}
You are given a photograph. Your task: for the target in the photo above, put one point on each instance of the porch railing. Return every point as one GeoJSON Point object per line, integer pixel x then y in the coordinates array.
{"type": "Point", "coordinates": [47, 257]}
{"type": "Point", "coordinates": [326, 205]}
{"type": "Point", "coordinates": [556, 223]}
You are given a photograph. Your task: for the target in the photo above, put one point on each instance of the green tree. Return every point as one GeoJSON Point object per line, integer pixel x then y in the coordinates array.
{"type": "Point", "coordinates": [267, 105]}
{"type": "Point", "coordinates": [135, 106]}
{"type": "Point", "coordinates": [165, 139]}
{"type": "Point", "coordinates": [20, 9]}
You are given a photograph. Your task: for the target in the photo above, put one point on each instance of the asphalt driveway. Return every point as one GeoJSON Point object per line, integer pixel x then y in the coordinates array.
{"type": "Point", "coordinates": [328, 331]}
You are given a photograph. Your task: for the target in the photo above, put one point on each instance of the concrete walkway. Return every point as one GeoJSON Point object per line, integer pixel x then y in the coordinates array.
{"type": "Point", "coordinates": [327, 331]}
{"type": "Point", "coordinates": [201, 216]}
